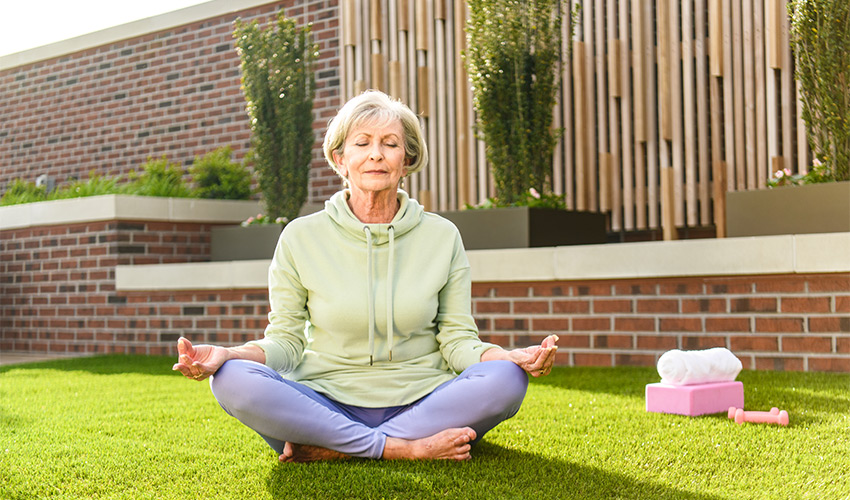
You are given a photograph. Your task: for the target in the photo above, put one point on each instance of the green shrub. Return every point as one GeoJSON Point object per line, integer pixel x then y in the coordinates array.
{"type": "Point", "coordinates": [216, 176]}
{"type": "Point", "coordinates": [513, 51]}
{"type": "Point", "coordinates": [21, 191]}
{"type": "Point", "coordinates": [96, 185]}
{"type": "Point", "coordinates": [158, 178]}
{"type": "Point", "coordinates": [820, 36]}
{"type": "Point", "coordinates": [279, 85]}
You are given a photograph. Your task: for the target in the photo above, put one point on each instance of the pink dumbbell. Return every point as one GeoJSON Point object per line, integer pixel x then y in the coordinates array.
{"type": "Point", "coordinates": [774, 416]}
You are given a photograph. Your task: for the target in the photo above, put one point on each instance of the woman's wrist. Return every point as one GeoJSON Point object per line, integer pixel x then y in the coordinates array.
{"type": "Point", "coordinates": [247, 351]}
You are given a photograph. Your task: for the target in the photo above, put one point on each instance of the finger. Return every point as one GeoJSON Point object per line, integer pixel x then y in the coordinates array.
{"type": "Point", "coordinates": [188, 348]}
{"type": "Point", "coordinates": [549, 341]}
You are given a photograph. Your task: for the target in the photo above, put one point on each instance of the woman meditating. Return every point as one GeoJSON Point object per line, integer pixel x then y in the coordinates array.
{"type": "Point", "coordinates": [371, 349]}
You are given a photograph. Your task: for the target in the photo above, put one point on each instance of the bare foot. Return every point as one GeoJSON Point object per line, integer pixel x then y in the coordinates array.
{"type": "Point", "coordinates": [301, 453]}
{"type": "Point", "coordinates": [450, 444]}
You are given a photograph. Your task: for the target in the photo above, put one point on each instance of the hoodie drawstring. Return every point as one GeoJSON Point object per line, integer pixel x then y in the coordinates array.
{"type": "Point", "coordinates": [371, 303]}
{"type": "Point", "coordinates": [371, 298]}
{"type": "Point", "coordinates": [391, 232]}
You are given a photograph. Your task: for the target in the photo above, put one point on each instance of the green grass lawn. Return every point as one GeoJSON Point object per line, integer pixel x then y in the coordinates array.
{"type": "Point", "coordinates": [129, 427]}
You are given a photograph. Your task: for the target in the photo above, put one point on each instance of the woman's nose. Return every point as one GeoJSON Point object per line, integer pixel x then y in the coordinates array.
{"type": "Point", "coordinates": [375, 153]}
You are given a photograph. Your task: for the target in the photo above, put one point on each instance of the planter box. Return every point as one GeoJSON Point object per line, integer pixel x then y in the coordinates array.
{"type": "Point", "coordinates": [244, 243]}
{"type": "Point", "coordinates": [813, 208]}
{"type": "Point", "coordinates": [524, 227]}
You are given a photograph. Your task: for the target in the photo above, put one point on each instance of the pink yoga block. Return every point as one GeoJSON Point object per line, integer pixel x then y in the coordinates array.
{"type": "Point", "coordinates": [692, 400]}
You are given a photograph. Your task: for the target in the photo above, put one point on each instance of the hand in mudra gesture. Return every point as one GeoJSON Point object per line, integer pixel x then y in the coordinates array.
{"type": "Point", "coordinates": [201, 361]}
{"type": "Point", "coordinates": [537, 360]}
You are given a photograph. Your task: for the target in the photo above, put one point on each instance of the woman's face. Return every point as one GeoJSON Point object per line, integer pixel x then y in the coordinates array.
{"type": "Point", "coordinates": [373, 158]}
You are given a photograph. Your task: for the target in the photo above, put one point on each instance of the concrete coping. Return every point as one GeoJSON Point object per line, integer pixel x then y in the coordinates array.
{"type": "Point", "coordinates": [125, 207]}
{"type": "Point", "coordinates": [787, 254]}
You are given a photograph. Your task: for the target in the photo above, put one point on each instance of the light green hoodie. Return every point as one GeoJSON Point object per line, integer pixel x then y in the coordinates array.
{"type": "Point", "coordinates": [335, 284]}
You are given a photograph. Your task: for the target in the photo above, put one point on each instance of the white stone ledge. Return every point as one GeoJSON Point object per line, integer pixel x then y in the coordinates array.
{"type": "Point", "coordinates": [793, 254]}
{"type": "Point", "coordinates": [125, 207]}
{"type": "Point", "coordinates": [239, 274]}
{"type": "Point", "coordinates": [133, 29]}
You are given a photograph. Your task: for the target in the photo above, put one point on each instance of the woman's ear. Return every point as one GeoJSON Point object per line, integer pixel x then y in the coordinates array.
{"type": "Point", "coordinates": [339, 166]}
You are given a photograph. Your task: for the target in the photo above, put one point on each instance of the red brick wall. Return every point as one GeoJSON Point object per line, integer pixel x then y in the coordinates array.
{"type": "Point", "coordinates": [58, 294]}
{"type": "Point", "coordinates": [57, 283]}
{"type": "Point", "coordinates": [175, 93]}
{"type": "Point", "coordinates": [785, 322]}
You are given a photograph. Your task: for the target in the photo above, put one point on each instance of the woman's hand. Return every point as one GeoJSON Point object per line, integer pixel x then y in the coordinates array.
{"type": "Point", "coordinates": [199, 362]}
{"type": "Point", "coordinates": [536, 360]}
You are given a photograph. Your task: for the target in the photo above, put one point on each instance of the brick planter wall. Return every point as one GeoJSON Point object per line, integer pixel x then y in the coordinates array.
{"type": "Point", "coordinates": [780, 322]}
{"type": "Point", "coordinates": [57, 283]}
{"type": "Point", "coordinates": [175, 92]}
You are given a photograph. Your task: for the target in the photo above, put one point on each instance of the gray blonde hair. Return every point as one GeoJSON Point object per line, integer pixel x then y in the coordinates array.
{"type": "Point", "coordinates": [373, 106]}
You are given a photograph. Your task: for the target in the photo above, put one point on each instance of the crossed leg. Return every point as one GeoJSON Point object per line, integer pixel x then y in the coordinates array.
{"type": "Point", "coordinates": [303, 425]}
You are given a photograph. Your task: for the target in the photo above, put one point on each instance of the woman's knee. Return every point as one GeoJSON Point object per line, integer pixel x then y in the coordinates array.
{"type": "Point", "coordinates": [506, 382]}
{"type": "Point", "coordinates": [229, 384]}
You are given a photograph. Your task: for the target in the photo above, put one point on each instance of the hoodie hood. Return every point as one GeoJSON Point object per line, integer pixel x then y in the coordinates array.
{"type": "Point", "coordinates": [408, 217]}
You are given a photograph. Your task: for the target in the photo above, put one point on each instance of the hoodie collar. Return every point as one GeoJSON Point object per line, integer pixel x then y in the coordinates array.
{"type": "Point", "coordinates": [409, 215]}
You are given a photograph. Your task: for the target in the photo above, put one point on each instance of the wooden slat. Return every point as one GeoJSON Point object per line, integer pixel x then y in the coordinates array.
{"type": "Point", "coordinates": [614, 67]}
{"type": "Point", "coordinates": [664, 83]}
{"type": "Point", "coordinates": [668, 202]}
{"type": "Point", "coordinates": [738, 87]}
{"type": "Point", "coordinates": [581, 125]}
{"type": "Point", "coordinates": [421, 25]}
{"type": "Point", "coordinates": [396, 80]}
{"type": "Point", "coordinates": [377, 80]}
{"type": "Point", "coordinates": [774, 18]}
{"type": "Point", "coordinates": [440, 9]}
{"type": "Point", "coordinates": [676, 146]}
{"type": "Point", "coordinates": [802, 140]}
{"type": "Point", "coordinates": [627, 164]}
{"type": "Point", "coordinates": [612, 190]}
{"type": "Point", "coordinates": [349, 23]}
{"type": "Point", "coordinates": [761, 166]}
{"type": "Point", "coordinates": [462, 105]}
{"type": "Point", "coordinates": [638, 79]}
{"type": "Point", "coordinates": [715, 35]}
{"type": "Point", "coordinates": [639, 72]}
{"type": "Point", "coordinates": [441, 116]}
{"type": "Point", "coordinates": [375, 20]}
{"type": "Point", "coordinates": [652, 145]}
{"type": "Point", "coordinates": [786, 98]}
{"type": "Point", "coordinates": [689, 109]}
{"type": "Point", "coordinates": [749, 94]}
{"type": "Point", "coordinates": [703, 162]}
{"type": "Point", "coordinates": [590, 188]}
{"type": "Point", "coordinates": [601, 82]}
{"type": "Point", "coordinates": [728, 97]}
{"type": "Point", "coordinates": [564, 180]}
{"type": "Point", "coordinates": [720, 198]}
{"type": "Point", "coordinates": [718, 166]}
{"type": "Point", "coordinates": [403, 15]}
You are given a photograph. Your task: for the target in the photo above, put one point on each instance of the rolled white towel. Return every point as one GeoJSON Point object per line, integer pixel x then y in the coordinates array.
{"type": "Point", "coordinates": [698, 367]}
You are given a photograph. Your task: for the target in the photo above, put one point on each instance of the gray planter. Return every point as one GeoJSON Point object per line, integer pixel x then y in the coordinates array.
{"type": "Point", "coordinates": [813, 208]}
{"type": "Point", "coordinates": [524, 227]}
{"type": "Point", "coordinates": [244, 243]}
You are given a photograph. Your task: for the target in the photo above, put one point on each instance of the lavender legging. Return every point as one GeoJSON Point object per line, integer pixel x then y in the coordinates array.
{"type": "Point", "coordinates": [281, 410]}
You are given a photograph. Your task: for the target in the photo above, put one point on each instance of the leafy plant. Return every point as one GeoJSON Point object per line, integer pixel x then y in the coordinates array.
{"type": "Point", "coordinates": [820, 37]}
{"type": "Point", "coordinates": [513, 54]}
{"type": "Point", "coordinates": [95, 185]}
{"type": "Point", "coordinates": [279, 85]}
{"type": "Point", "coordinates": [21, 191]}
{"type": "Point", "coordinates": [216, 176]}
{"type": "Point", "coordinates": [159, 178]}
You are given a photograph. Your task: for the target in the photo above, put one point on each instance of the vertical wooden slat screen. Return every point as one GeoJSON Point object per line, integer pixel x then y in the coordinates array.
{"type": "Point", "coordinates": [702, 87]}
